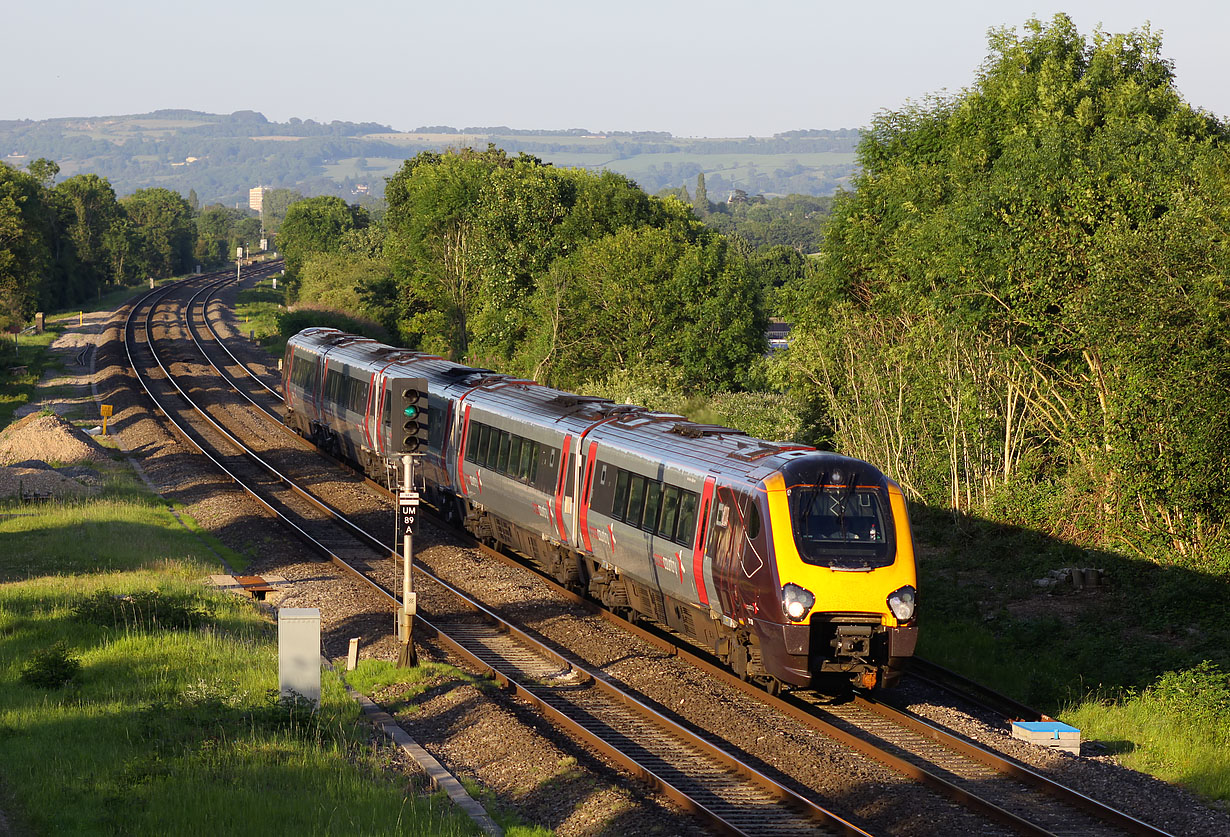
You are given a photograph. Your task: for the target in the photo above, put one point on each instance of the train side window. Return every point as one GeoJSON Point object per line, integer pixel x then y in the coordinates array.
{"type": "Point", "coordinates": [437, 415]}
{"type": "Point", "coordinates": [686, 530]}
{"type": "Point", "coordinates": [333, 386]}
{"type": "Point", "coordinates": [480, 434]}
{"type": "Point", "coordinates": [529, 455]}
{"type": "Point", "coordinates": [653, 507]}
{"type": "Point", "coordinates": [490, 446]}
{"type": "Point", "coordinates": [670, 512]}
{"type": "Point", "coordinates": [621, 495]}
{"type": "Point", "coordinates": [514, 455]}
{"type": "Point", "coordinates": [636, 501]}
{"type": "Point", "coordinates": [472, 442]}
{"type": "Point", "coordinates": [547, 472]}
{"type": "Point", "coordinates": [501, 462]}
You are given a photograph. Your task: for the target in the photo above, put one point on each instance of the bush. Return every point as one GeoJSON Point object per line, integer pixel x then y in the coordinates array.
{"type": "Point", "coordinates": [291, 323]}
{"type": "Point", "coordinates": [148, 610]}
{"type": "Point", "coordinates": [51, 667]}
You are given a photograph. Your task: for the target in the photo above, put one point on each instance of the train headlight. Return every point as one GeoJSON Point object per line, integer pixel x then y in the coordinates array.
{"type": "Point", "coordinates": [901, 603]}
{"type": "Point", "coordinates": [797, 602]}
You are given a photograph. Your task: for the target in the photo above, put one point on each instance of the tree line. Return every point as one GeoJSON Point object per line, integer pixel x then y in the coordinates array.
{"type": "Point", "coordinates": [63, 243]}
{"type": "Point", "coordinates": [562, 275]}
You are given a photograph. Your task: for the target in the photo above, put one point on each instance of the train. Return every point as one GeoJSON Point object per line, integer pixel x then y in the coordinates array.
{"type": "Point", "coordinates": [794, 566]}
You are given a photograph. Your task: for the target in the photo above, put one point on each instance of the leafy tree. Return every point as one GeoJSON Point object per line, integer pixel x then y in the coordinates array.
{"type": "Point", "coordinates": [162, 221]}
{"type": "Point", "coordinates": [44, 171]}
{"type": "Point", "coordinates": [701, 204]}
{"type": "Point", "coordinates": [316, 225]}
{"type": "Point", "coordinates": [86, 208]}
{"type": "Point", "coordinates": [646, 296]}
{"type": "Point", "coordinates": [1022, 308]}
{"type": "Point", "coordinates": [220, 230]}
{"type": "Point", "coordinates": [275, 205]}
{"type": "Point", "coordinates": [25, 248]}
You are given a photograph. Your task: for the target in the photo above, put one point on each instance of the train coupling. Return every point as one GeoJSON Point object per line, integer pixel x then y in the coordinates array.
{"type": "Point", "coordinates": [852, 641]}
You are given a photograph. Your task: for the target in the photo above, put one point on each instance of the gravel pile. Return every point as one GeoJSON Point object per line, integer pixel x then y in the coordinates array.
{"type": "Point", "coordinates": [48, 438]}
{"type": "Point", "coordinates": [27, 445]}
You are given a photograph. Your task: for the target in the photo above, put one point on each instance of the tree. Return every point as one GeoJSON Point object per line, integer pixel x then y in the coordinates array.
{"type": "Point", "coordinates": [44, 171]}
{"type": "Point", "coordinates": [275, 206]}
{"type": "Point", "coordinates": [701, 204]}
{"type": "Point", "coordinates": [162, 222]}
{"type": "Point", "coordinates": [25, 243]}
{"type": "Point", "coordinates": [316, 225]}
{"type": "Point", "coordinates": [645, 297]}
{"type": "Point", "coordinates": [1021, 309]}
{"type": "Point", "coordinates": [87, 209]}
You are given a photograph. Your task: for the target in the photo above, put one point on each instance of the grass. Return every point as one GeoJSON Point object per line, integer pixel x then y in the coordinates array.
{"type": "Point", "coordinates": [1107, 660]}
{"type": "Point", "coordinates": [257, 309]}
{"type": "Point", "coordinates": [1178, 729]}
{"type": "Point", "coordinates": [169, 723]}
{"type": "Point", "coordinates": [18, 387]}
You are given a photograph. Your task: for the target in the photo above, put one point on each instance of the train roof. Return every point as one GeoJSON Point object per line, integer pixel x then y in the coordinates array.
{"type": "Point", "coordinates": [663, 437]}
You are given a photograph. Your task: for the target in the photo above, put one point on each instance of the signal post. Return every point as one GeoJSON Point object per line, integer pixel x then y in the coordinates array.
{"type": "Point", "coordinates": [409, 434]}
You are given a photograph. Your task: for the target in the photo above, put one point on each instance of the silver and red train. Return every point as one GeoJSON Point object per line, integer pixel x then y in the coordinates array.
{"type": "Point", "coordinates": [795, 566]}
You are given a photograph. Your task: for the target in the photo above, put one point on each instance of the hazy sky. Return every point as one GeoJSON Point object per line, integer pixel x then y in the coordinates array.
{"type": "Point", "coordinates": [711, 68]}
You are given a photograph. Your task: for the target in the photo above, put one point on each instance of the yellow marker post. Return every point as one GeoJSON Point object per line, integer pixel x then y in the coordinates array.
{"type": "Point", "coordinates": [80, 318]}
{"type": "Point", "coordinates": [106, 414]}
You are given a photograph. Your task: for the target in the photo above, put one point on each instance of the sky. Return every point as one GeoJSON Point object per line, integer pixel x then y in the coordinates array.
{"type": "Point", "coordinates": [715, 68]}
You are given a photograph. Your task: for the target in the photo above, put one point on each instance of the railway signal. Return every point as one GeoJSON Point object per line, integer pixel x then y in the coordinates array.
{"type": "Point", "coordinates": [408, 408]}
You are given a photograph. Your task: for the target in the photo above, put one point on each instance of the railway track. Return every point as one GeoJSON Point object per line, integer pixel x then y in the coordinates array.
{"type": "Point", "coordinates": [1003, 792]}
{"type": "Point", "coordinates": [726, 792]}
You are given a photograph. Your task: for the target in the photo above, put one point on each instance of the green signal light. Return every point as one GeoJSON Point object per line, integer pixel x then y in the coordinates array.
{"type": "Point", "coordinates": [411, 411]}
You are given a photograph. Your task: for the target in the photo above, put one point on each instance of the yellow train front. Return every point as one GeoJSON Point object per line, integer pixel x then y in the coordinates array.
{"type": "Point", "coordinates": [825, 593]}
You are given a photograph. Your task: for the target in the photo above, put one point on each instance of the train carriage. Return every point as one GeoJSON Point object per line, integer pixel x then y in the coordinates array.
{"type": "Point", "coordinates": [793, 565]}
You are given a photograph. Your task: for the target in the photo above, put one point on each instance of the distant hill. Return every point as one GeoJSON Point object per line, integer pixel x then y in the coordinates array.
{"type": "Point", "coordinates": [221, 157]}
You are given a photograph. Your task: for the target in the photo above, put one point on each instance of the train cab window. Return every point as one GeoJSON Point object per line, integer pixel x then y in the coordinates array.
{"type": "Point", "coordinates": [620, 505]}
{"type": "Point", "coordinates": [751, 517]}
{"type": "Point", "coordinates": [501, 463]}
{"type": "Point", "coordinates": [670, 512]}
{"type": "Point", "coordinates": [840, 526]}
{"type": "Point", "coordinates": [685, 531]}
{"type": "Point", "coordinates": [653, 506]}
{"type": "Point", "coordinates": [636, 501]}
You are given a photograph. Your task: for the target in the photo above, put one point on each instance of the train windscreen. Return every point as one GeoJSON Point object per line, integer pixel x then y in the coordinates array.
{"type": "Point", "coordinates": [843, 527]}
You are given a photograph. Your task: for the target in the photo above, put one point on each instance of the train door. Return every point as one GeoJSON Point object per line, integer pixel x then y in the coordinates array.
{"type": "Point", "coordinates": [738, 551]}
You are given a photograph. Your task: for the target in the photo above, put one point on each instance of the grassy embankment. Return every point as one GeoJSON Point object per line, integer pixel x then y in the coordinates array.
{"type": "Point", "coordinates": [134, 700]}
{"type": "Point", "coordinates": [1123, 662]}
